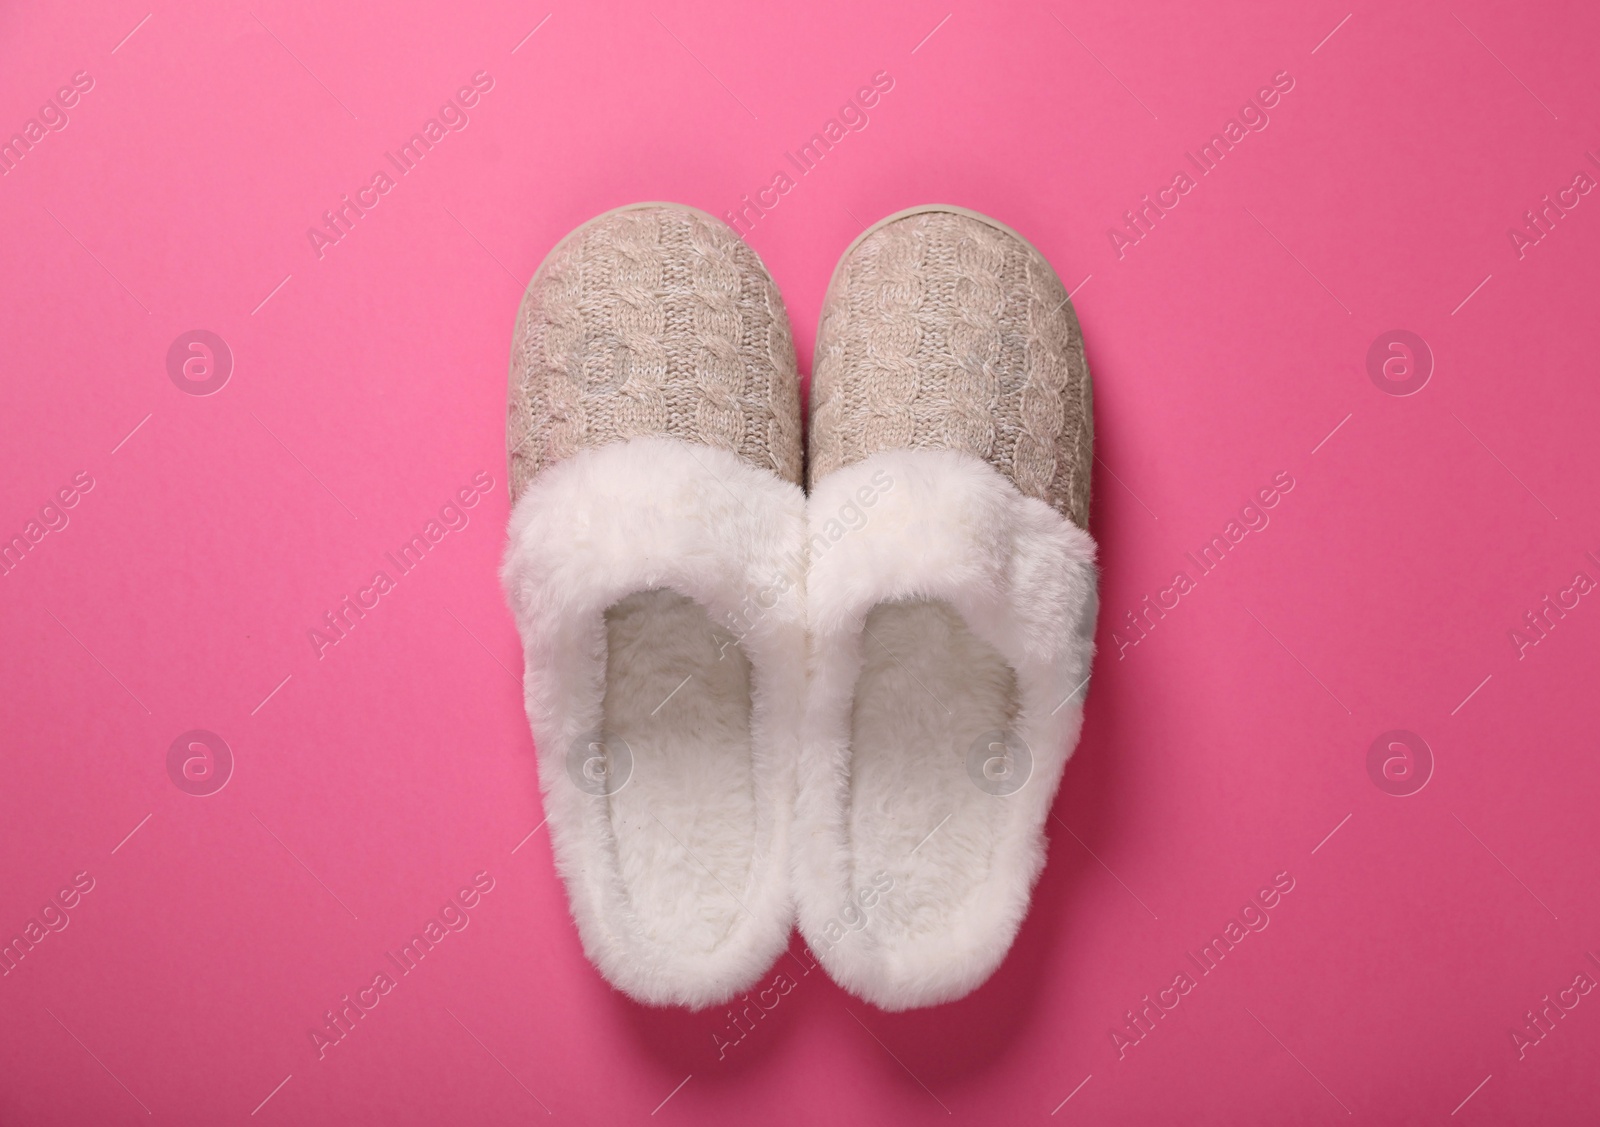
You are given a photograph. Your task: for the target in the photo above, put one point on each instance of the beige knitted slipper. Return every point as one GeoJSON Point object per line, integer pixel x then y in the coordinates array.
{"type": "Point", "coordinates": [656, 570]}
{"type": "Point", "coordinates": [951, 601]}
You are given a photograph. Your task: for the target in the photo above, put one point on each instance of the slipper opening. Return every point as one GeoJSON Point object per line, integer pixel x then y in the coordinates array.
{"type": "Point", "coordinates": [677, 747]}
{"type": "Point", "coordinates": [932, 761]}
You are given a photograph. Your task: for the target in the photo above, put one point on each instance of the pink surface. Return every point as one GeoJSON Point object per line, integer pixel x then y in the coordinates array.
{"type": "Point", "coordinates": [368, 784]}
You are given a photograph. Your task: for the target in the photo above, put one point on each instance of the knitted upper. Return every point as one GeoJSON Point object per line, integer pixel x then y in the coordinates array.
{"type": "Point", "coordinates": [944, 331]}
{"type": "Point", "coordinates": [655, 319]}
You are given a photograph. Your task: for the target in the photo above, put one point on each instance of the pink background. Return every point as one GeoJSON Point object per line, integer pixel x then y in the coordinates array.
{"type": "Point", "coordinates": [368, 387]}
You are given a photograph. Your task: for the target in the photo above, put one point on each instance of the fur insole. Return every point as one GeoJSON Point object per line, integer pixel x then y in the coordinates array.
{"type": "Point", "coordinates": [678, 692]}
{"type": "Point", "coordinates": [928, 690]}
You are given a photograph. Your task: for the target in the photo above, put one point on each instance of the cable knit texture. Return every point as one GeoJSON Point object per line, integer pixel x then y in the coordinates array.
{"type": "Point", "coordinates": [652, 320]}
{"type": "Point", "coordinates": [941, 331]}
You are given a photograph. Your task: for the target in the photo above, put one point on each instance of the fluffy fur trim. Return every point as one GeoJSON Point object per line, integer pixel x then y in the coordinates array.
{"type": "Point", "coordinates": [951, 617]}
{"type": "Point", "coordinates": [635, 567]}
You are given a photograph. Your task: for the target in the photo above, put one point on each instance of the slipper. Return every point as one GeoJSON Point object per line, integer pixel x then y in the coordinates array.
{"type": "Point", "coordinates": [951, 601]}
{"type": "Point", "coordinates": [655, 570]}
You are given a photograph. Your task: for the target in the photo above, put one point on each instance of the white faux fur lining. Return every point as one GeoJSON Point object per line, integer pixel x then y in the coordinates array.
{"type": "Point", "coordinates": [952, 629]}
{"type": "Point", "coordinates": [658, 588]}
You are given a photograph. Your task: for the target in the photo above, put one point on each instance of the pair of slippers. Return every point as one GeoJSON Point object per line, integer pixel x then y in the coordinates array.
{"type": "Point", "coordinates": [755, 705]}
